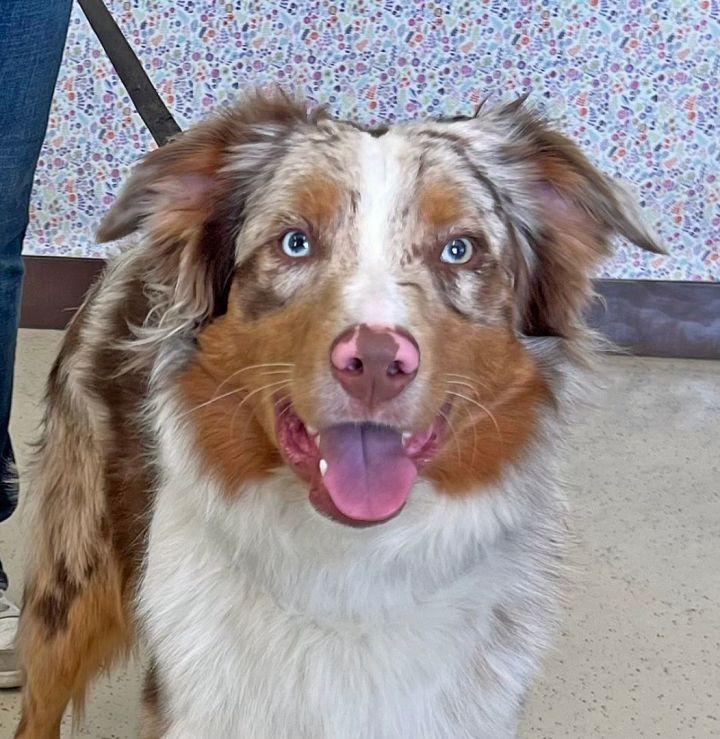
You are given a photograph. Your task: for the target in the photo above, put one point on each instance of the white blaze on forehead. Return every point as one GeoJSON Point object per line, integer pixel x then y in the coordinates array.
{"type": "Point", "coordinates": [371, 294]}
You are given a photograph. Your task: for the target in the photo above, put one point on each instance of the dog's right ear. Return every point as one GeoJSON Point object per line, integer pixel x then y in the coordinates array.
{"type": "Point", "coordinates": [187, 200]}
{"type": "Point", "coordinates": [172, 192]}
{"type": "Point", "coordinates": [169, 194]}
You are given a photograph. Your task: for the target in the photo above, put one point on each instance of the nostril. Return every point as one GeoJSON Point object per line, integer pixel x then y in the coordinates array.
{"type": "Point", "coordinates": [374, 363]}
{"type": "Point", "coordinates": [407, 355]}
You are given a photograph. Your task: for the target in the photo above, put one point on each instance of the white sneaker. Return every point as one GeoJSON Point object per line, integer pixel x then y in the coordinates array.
{"type": "Point", "coordinates": [11, 676]}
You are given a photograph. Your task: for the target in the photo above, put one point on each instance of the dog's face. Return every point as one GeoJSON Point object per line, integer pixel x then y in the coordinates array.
{"type": "Point", "coordinates": [363, 296]}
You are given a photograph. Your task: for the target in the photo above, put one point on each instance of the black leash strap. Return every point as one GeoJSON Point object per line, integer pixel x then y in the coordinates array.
{"type": "Point", "coordinates": [145, 97]}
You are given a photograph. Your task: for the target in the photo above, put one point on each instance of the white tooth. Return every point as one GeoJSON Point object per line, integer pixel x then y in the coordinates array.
{"type": "Point", "coordinates": [323, 467]}
{"type": "Point", "coordinates": [406, 436]}
{"type": "Point", "coordinates": [317, 441]}
{"type": "Point", "coordinates": [311, 430]}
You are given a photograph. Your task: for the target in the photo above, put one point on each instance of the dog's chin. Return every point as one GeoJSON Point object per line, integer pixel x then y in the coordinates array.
{"type": "Point", "coordinates": [360, 474]}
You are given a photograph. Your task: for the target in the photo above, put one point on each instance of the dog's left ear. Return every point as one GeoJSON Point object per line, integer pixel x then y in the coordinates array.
{"type": "Point", "coordinates": [564, 211]}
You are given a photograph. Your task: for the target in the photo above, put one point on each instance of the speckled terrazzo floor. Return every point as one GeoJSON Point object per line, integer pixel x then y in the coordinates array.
{"type": "Point", "coordinates": [640, 655]}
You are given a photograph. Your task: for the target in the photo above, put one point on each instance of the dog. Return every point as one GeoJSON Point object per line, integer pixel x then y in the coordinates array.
{"type": "Point", "coordinates": [301, 439]}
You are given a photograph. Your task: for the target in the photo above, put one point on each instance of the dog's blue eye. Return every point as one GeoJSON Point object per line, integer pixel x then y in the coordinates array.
{"type": "Point", "coordinates": [458, 251]}
{"type": "Point", "coordinates": [296, 244]}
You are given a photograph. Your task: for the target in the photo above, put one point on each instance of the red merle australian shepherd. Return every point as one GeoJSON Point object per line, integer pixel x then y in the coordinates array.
{"type": "Point", "coordinates": [300, 439]}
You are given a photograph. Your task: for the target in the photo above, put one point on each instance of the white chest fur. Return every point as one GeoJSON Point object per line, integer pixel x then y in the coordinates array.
{"type": "Point", "coordinates": [268, 621]}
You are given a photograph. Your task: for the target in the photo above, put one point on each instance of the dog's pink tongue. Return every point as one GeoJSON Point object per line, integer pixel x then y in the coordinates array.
{"type": "Point", "coordinates": [369, 476]}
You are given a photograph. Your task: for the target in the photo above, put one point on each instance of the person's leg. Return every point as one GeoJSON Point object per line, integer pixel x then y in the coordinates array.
{"type": "Point", "coordinates": [32, 37]}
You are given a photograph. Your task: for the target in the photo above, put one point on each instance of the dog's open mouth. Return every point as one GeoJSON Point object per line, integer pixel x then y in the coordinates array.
{"type": "Point", "coordinates": [359, 473]}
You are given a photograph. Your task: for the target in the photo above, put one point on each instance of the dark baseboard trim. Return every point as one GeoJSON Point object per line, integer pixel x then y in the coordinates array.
{"type": "Point", "coordinates": [660, 319]}
{"type": "Point", "coordinates": [54, 288]}
{"type": "Point", "coordinates": [644, 317]}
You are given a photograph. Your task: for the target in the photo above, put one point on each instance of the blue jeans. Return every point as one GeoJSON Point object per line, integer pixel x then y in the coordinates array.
{"type": "Point", "coordinates": [32, 37]}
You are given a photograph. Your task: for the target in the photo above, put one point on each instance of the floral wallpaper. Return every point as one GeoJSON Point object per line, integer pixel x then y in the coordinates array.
{"type": "Point", "coordinates": [637, 84]}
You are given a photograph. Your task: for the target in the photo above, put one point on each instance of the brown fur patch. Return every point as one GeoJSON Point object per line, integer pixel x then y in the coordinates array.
{"type": "Point", "coordinates": [497, 394]}
{"type": "Point", "coordinates": [127, 464]}
{"type": "Point", "coordinates": [441, 206]}
{"type": "Point", "coordinates": [59, 667]}
{"type": "Point", "coordinates": [318, 199]}
{"type": "Point", "coordinates": [233, 446]}
{"type": "Point", "coordinates": [234, 417]}
{"type": "Point", "coordinates": [153, 723]}
{"type": "Point", "coordinates": [52, 608]}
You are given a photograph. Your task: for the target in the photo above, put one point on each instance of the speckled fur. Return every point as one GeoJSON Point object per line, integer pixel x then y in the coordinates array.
{"type": "Point", "coordinates": [263, 618]}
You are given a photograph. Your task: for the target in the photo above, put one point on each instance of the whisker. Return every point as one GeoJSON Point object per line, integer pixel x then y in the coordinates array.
{"type": "Point", "coordinates": [252, 367]}
{"type": "Point", "coordinates": [464, 384]}
{"type": "Point", "coordinates": [214, 399]}
{"type": "Point", "coordinates": [469, 379]}
{"type": "Point", "coordinates": [265, 364]}
{"type": "Point", "coordinates": [474, 429]}
{"type": "Point", "coordinates": [481, 407]}
{"type": "Point", "coordinates": [282, 399]}
{"type": "Point", "coordinates": [260, 389]}
{"type": "Point", "coordinates": [455, 436]}
{"type": "Point", "coordinates": [288, 400]}
{"type": "Point", "coordinates": [457, 374]}
{"type": "Point", "coordinates": [467, 410]}
{"type": "Point", "coordinates": [283, 412]}
{"type": "Point", "coordinates": [281, 383]}
{"type": "Point", "coordinates": [275, 372]}
{"type": "Point", "coordinates": [250, 395]}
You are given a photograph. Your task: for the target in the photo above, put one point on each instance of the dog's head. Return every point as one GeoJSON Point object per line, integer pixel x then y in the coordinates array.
{"type": "Point", "coordinates": [361, 298]}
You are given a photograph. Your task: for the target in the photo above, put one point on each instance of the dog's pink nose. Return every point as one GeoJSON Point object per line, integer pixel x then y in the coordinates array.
{"type": "Point", "coordinates": [374, 363]}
